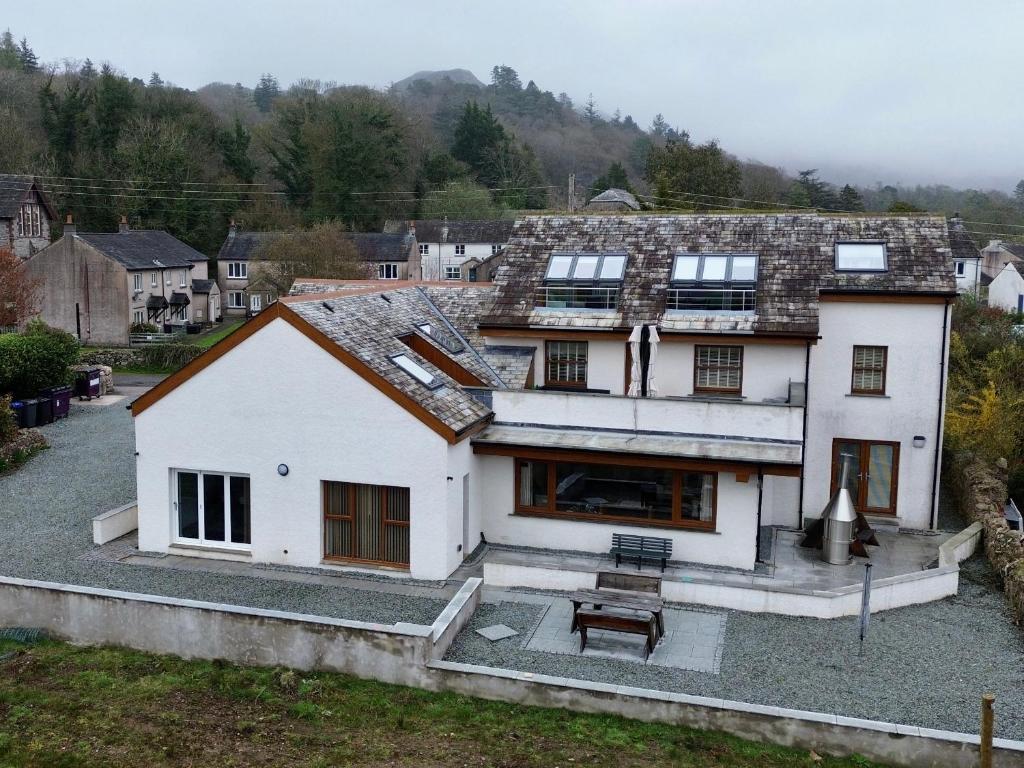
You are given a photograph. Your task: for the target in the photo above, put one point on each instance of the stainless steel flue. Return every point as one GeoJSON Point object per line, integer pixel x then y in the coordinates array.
{"type": "Point", "coordinates": [839, 517]}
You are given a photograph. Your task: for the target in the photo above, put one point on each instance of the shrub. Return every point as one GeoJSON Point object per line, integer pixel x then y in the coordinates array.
{"type": "Point", "coordinates": [171, 356]}
{"type": "Point", "coordinates": [8, 426]}
{"type": "Point", "coordinates": [39, 357]}
{"type": "Point", "coordinates": [143, 328]}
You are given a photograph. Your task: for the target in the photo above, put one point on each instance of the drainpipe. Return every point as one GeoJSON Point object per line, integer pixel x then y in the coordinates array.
{"type": "Point", "coordinates": [939, 421]}
{"type": "Point", "coordinates": [803, 446]}
{"type": "Point", "coordinates": [760, 497]}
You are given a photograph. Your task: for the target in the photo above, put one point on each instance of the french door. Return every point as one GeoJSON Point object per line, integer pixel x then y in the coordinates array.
{"type": "Point", "coordinates": [366, 523]}
{"type": "Point", "coordinates": [872, 469]}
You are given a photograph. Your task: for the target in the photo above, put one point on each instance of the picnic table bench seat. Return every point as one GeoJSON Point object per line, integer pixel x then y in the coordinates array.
{"type": "Point", "coordinates": [617, 622]}
{"type": "Point", "coordinates": [628, 545]}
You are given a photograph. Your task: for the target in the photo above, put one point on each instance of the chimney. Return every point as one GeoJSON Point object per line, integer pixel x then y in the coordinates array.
{"type": "Point", "coordinates": [69, 225]}
{"type": "Point", "coordinates": [444, 230]}
{"type": "Point", "coordinates": [123, 226]}
{"type": "Point", "coordinates": [232, 230]}
{"type": "Point", "coordinates": [412, 227]}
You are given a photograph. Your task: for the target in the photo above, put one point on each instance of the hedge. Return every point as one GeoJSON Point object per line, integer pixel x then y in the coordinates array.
{"type": "Point", "coordinates": [169, 356]}
{"type": "Point", "coordinates": [39, 357]}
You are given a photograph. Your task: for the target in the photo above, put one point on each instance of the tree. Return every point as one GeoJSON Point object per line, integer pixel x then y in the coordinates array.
{"type": "Point", "coordinates": [477, 133]}
{"type": "Point", "coordinates": [1018, 194]}
{"type": "Point", "coordinates": [9, 58]}
{"type": "Point", "coordinates": [850, 199]}
{"type": "Point", "coordinates": [439, 168]}
{"type": "Point", "coordinates": [820, 193]}
{"type": "Point", "coordinates": [460, 200]}
{"type": "Point", "coordinates": [155, 81]}
{"type": "Point", "coordinates": [325, 251]}
{"type": "Point", "coordinates": [266, 92]}
{"type": "Point", "coordinates": [902, 206]}
{"type": "Point", "coordinates": [29, 62]}
{"type": "Point", "coordinates": [505, 79]}
{"type": "Point", "coordinates": [590, 110]}
{"type": "Point", "coordinates": [659, 127]}
{"type": "Point", "coordinates": [115, 105]}
{"type": "Point", "coordinates": [703, 175]}
{"type": "Point", "coordinates": [797, 196]}
{"type": "Point", "coordinates": [19, 291]}
{"type": "Point", "coordinates": [614, 178]}
{"type": "Point", "coordinates": [88, 71]}
{"type": "Point", "coordinates": [234, 147]}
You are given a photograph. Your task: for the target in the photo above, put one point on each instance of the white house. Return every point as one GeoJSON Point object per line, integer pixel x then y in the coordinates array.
{"type": "Point", "coordinates": [1006, 291]}
{"type": "Point", "coordinates": [967, 259]}
{"type": "Point", "coordinates": [446, 246]}
{"type": "Point", "coordinates": [693, 377]}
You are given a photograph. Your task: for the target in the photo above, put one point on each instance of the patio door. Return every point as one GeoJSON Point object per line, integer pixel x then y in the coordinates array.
{"type": "Point", "coordinates": [366, 523]}
{"type": "Point", "coordinates": [872, 471]}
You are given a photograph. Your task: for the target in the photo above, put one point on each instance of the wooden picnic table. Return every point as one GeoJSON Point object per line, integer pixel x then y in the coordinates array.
{"type": "Point", "coordinates": [616, 599]}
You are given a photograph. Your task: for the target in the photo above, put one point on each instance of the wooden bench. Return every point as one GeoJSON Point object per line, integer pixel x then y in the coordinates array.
{"type": "Point", "coordinates": [614, 622]}
{"type": "Point", "coordinates": [628, 582]}
{"type": "Point", "coordinates": [641, 547]}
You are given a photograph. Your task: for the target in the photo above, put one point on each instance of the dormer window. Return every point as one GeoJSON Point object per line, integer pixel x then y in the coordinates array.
{"type": "Point", "coordinates": [582, 281]}
{"type": "Point", "coordinates": [861, 257]}
{"type": "Point", "coordinates": [713, 282]}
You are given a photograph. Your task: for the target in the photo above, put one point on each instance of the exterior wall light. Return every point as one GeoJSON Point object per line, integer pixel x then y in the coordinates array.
{"type": "Point", "coordinates": [919, 441]}
{"type": "Point", "coordinates": [282, 469]}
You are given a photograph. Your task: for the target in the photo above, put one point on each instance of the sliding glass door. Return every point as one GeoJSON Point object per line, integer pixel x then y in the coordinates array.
{"type": "Point", "coordinates": [211, 508]}
{"type": "Point", "coordinates": [872, 468]}
{"type": "Point", "coordinates": [366, 523]}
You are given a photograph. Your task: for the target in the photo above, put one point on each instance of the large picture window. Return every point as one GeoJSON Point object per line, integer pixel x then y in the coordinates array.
{"type": "Point", "coordinates": [211, 508]}
{"type": "Point", "coordinates": [613, 493]}
{"type": "Point", "coordinates": [566, 364]}
{"type": "Point", "coordinates": [718, 370]}
{"type": "Point", "coordinates": [366, 523]}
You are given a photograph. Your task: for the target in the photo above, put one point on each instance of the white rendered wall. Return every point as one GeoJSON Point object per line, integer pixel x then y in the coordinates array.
{"type": "Point", "coordinates": [731, 545]}
{"type": "Point", "coordinates": [1004, 290]}
{"type": "Point", "coordinates": [968, 283]}
{"type": "Point", "coordinates": [913, 334]}
{"type": "Point", "coordinates": [279, 398]}
{"type": "Point", "coordinates": [442, 255]}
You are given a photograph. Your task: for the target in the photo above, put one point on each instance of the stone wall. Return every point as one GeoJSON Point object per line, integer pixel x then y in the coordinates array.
{"type": "Point", "coordinates": [122, 357]}
{"type": "Point", "coordinates": [981, 497]}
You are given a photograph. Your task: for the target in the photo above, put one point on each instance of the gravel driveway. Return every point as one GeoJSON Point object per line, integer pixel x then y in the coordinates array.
{"type": "Point", "coordinates": [46, 509]}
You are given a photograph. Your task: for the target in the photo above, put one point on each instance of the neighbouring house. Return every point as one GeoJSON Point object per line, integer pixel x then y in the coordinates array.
{"type": "Point", "coordinates": [445, 246]}
{"type": "Point", "coordinates": [613, 200]}
{"type": "Point", "coordinates": [236, 259]}
{"type": "Point", "coordinates": [967, 260]}
{"type": "Point", "coordinates": [693, 377]}
{"type": "Point", "coordinates": [206, 306]}
{"type": "Point", "coordinates": [1006, 291]}
{"type": "Point", "coordinates": [390, 255]}
{"type": "Point", "coordinates": [25, 215]}
{"type": "Point", "coordinates": [997, 254]}
{"type": "Point", "coordinates": [482, 270]}
{"type": "Point", "coordinates": [96, 285]}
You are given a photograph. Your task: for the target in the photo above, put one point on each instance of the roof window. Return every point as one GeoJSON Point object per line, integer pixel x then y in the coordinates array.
{"type": "Point", "coordinates": [582, 281]}
{"type": "Point", "coordinates": [442, 337]}
{"type": "Point", "coordinates": [713, 282]}
{"type": "Point", "coordinates": [588, 267]}
{"type": "Point", "coordinates": [861, 257]}
{"type": "Point", "coordinates": [417, 371]}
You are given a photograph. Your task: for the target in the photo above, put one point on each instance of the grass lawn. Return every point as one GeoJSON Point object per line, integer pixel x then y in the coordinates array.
{"type": "Point", "coordinates": [69, 707]}
{"type": "Point", "coordinates": [229, 327]}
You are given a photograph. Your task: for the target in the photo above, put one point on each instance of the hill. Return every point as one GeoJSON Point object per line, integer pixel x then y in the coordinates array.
{"type": "Point", "coordinates": [434, 77]}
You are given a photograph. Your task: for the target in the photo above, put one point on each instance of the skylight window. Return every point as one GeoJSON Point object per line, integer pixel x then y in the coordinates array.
{"type": "Point", "coordinates": [586, 267]}
{"type": "Point", "coordinates": [713, 282]}
{"type": "Point", "coordinates": [442, 337]}
{"type": "Point", "coordinates": [417, 371]}
{"type": "Point", "coordinates": [714, 268]}
{"type": "Point", "coordinates": [861, 257]}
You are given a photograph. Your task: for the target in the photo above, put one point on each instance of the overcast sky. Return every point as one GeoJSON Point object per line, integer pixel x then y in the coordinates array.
{"type": "Point", "coordinates": [895, 91]}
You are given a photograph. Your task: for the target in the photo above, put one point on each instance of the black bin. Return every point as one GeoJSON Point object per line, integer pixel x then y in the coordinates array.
{"type": "Point", "coordinates": [87, 383]}
{"type": "Point", "coordinates": [60, 400]}
{"type": "Point", "coordinates": [44, 411]}
{"type": "Point", "coordinates": [28, 412]}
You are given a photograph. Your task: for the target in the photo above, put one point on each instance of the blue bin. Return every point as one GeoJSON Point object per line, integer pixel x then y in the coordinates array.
{"type": "Point", "coordinates": [19, 413]}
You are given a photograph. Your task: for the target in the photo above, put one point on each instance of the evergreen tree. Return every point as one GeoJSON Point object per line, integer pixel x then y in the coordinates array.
{"type": "Point", "coordinates": [1018, 194]}
{"type": "Point", "coordinates": [850, 199]}
{"type": "Point", "coordinates": [820, 193]}
{"type": "Point", "coordinates": [9, 58]}
{"type": "Point", "coordinates": [590, 110]}
{"type": "Point", "coordinates": [266, 91]}
{"type": "Point", "coordinates": [477, 134]}
{"type": "Point", "coordinates": [617, 116]}
{"type": "Point", "coordinates": [564, 100]}
{"type": "Point", "coordinates": [629, 122]}
{"type": "Point", "coordinates": [29, 62]}
{"type": "Point", "coordinates": [797, 196]}
{"type": "Point", "coordinates": [614, 178]}
{"type": "Point", "coordinates": [705, 172]}
{"type": "Point", "coordinates": [505, 79]}
{"type": "Point", "coordinates": [659, 127]}
{"type": "Point", "coordinates": [155, 81]}
{"type": "Point", "coordinates": [115, 105]}
{"type": "Point", "coordinates": [88, 71]}
{"type": "Point", "coordinates": [234, 147]}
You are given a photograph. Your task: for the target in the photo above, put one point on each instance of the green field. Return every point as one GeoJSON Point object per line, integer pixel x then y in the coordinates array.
{"type": "Point", "coordinates": [208, 340]}
{"type": "Point", "coordinates": [69, 707]}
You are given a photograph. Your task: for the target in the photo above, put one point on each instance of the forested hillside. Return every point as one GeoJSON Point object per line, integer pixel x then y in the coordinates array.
{"type": "Point", "coordinates": [107, 144]}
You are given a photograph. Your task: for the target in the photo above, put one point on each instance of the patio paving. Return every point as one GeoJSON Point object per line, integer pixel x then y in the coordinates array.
{"type": "Point", "coordinates": [692, 640]}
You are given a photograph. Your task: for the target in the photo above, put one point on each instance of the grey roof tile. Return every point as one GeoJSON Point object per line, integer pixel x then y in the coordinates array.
{"type": "Point", "coordinates": [142, 248]}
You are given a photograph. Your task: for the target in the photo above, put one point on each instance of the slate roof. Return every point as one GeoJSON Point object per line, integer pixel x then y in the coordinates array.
{"type": "Point", "coordinates": [142, 248]}
{"type": "Point", "coordinates": [240, 246]}
{"type": "Point", "coordinates": [616, 196]}
{"type": "Point", "coordinates": [1017, 249]}
{"type": "Point", "coordinates": [203, 286]}
{"type": "Point", "coordinates": [367, 322]}
{"type": "Point", "coordinates": [960, 241]}
{"type": "Point", "coordinates": [796, 262]}
{"type": "Point", "coordinates": [13, 191]}
{"type": "Point", "coordinates": [493, 231]}
{"type": "Point", "coordinates": [383, 246]}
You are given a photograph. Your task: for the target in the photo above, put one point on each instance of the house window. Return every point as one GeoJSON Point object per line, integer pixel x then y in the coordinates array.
{"type": "Point", "coordinates": [869, 364]}
{"type": "Point", "coordinates": [368, 523]}
{"type": "Point", "coordinates": [238, 270]}
{"type": "Point", "coordinates": [137, 282]}
{"type": "Point", "coordinates": [582, 281]}
{"type": "Point", "coordinates": [184, 278]}
{"type": "Point", "coordinates": [255, 302]}
{"type": "Point", "coordinates": [566, 364]}
{"type": "Point", "coordinates": [495, 247]}
{"type": "Point", "coordinates": [960, 267]}
{"type": "Point", "coordinates": [600, 492]}
{"type": "Point", "coordinates": [387, 271]}
{"type": "Point", "coordinates": [718, 370]}
{"type": "Point", "coordinates": [30, 222]}
{"type": "Point", "coordinates": [861, 257]}
{"type": "Point", "coordinates": [460, 250]}
{"type": "Point", "coordinates": [138, 316]}
{"type": "Point", "coordinates": [453, 273]}
{"type": "Point", "coordinates": [424, 249]}
{"type": "Point", "coordinates": [152, 279]}
{"type": "Point", "coordinates": [236, 299]}
{"type": "Point", "coordinates": [713, 282]}
{"type": "Point", "coordinates": [211, 508]}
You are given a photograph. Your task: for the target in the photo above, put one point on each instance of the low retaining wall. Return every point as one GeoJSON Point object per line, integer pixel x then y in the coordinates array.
{"type": "Point", "coordinates": [981, 497]}
{"type": "Point", "coordinates": [886, 594]}
{"type": "Point", "coordinates": [890, 743]}
{"type": "Point", "coordinates": [115, 523]}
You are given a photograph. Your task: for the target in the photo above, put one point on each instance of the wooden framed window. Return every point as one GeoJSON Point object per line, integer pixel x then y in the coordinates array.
{"type": "Point", "coordinates": [869, 368]}
{"type": "Point", "coordinates": [872, 473]}
{"type": "Point", "coordinates": [566, 364]}
{"type": "Point", "coordinates": [718, 370]}
{"type": "Point", "coordinates": [366, 523]}
{"type": "Point", "coordinates": [612, 493]}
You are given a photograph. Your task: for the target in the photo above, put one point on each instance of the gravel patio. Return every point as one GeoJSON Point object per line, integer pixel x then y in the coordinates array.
{"type": "Point", "coordinates": [925, 665]}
